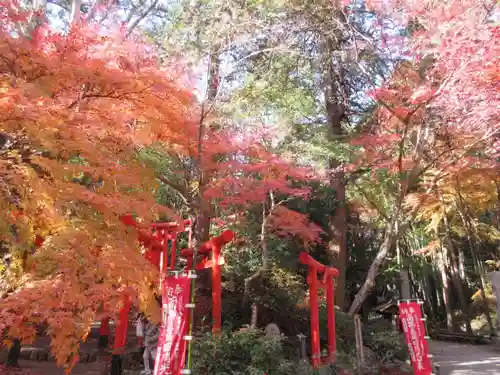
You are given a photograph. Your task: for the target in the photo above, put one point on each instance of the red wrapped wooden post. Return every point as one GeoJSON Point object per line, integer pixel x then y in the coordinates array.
{"type": "Point", "coordinates": [167, 237]}
{"type": "Point", "coordinates": [122, 326]}
{"type": "Point", "coordinates": [120, 337]}
{"type": "Point", "coordinates": [156, 239]}
{"type": "Point", "coordinates": [313, 301]}
{"type": "Point", "coordinates": [328, 285]}
{"type": "Point", "coordinates": [104, 333]}
{"type": "Point", "coordinates": [216, 244]}
{"type": "Point", "coordinates": [173, 251]}
{"type": "Point", "coordinates": [213, 246]}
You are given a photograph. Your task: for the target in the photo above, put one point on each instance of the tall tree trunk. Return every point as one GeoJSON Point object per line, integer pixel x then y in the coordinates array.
{"type": "Point", "coordinates": [446, 292]}
{"type": "Point", "coordinates": [335, 99]}
{"type": "Point", "coordinates": [14, 354]}
{"type": "Point", "coordinates": [461, 265]}
{"type": "Point", "coordinates": [455, 274]}
{"type": "Point", "coordinates": [498, 204]}
{"type": "Point", "coordinates": [457, 283]}
{"type": "Point", "coordinates": [265, 251]}
{"type": "Point", "coordinates": [405, 283]}
{"type": "Point", "coordinates": [75, 11]}
{"type": "Point", "coordinates": [430, 293]}
{"type": "Point", "coordinates": [389, 236]}
{"type": "Point", "coordinates": [475, 260]}
{"type": "Point", "coordinates": [203, 207]}
{"type": "Point", "coordinates": [432, 289]}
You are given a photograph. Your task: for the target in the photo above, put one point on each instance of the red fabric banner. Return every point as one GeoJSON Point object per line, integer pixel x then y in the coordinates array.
{"type": "Point", "coordinates": [171, 354]}
{"type": "Point", "coordinates": [122, 325]}
{"type": "Point", "coordinates": [414, 330]}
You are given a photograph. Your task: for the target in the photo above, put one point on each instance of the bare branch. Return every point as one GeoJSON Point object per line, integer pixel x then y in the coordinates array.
{"type": "Point", "coordinates": [139, 19]}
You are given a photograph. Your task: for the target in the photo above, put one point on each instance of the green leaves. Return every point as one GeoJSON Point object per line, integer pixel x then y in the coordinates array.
{"type": "Point", "coordinates": [246, 352]}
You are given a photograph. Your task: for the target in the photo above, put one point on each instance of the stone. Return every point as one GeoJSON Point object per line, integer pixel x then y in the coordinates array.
{"type": "Point", "coordinates": [272, 330]}
{"type": "Point", "coordinates": [93, 356]}
{"type": "Point", "coordinates": [25, 353]}
{"type": "Point", "coordinates": [303, 346]}
{"type": "Point", "coordinates": [4, 352]}
{"type": "Point", "coordinates": [34, 355]}
{"type": "Point", "coordinates": [43, 355]}
{"type": "Point", "coordinates": [370, 357]}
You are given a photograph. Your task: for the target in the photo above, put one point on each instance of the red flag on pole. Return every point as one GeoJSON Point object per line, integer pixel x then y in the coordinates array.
{"type": "Point", "coordinates": [171, 354]}
{"type": "Point", "coordinates": [414, 330]}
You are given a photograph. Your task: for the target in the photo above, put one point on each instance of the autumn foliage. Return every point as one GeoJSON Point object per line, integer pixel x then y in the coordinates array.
{"type": "Point", "coordinates": [251, 175]}
{"type": "Point", "coordinates": [75, 111]}
{"type": "Point", "coordinates": [440, 111]}
{"type": "Point", "coordinates": [437, 118]}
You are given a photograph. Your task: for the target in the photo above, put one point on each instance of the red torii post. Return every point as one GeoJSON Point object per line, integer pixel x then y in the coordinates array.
{"type": "Point", "coordinates": [157, 254]}
{"type": "Point", "coordinates": [166, 232]}
{"type": "Point", "coordinates": [214, 246]}
{"type": "Point", "coordinates": [326, 283]}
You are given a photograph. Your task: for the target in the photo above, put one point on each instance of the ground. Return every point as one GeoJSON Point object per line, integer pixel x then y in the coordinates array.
{"type": "Point", "coordinates": [453, 358]}
{"type": "Point", "coordinates": [50, 368]}
{"type": "Point", "coordinates": [466, 359]}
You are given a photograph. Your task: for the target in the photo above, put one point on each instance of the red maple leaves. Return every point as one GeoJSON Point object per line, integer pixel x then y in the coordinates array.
{"type": "Point", "coordinates": [446, 100]}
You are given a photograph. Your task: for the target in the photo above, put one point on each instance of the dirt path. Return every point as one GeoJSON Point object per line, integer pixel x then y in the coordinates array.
{"type": "Point", "coordinates": [453, 358]}
{"type": "Point", "coordinates": [465, 359]}
{"type": "Point", "coordinates": [50, 368]}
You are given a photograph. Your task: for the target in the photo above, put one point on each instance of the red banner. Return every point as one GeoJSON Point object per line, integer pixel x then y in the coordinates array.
{"type": "Point", "coordinates": [171, 354]}
{"type": "Point", "coordinates": [414, 330]}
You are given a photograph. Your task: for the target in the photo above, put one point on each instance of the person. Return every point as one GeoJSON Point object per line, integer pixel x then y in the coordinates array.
{"type": "Point", "coordinates": [151, 334]}
{"type": "Point", "coordinates": [139, 330]}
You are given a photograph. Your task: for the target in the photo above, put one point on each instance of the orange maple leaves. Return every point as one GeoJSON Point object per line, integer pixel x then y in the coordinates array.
{"type": "Point", "coordinates": [79, 107]}
{"type": "Point", "coordinates": [72, 111]}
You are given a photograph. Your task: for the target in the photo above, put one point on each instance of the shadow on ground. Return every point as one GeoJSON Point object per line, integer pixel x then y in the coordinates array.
{"type": "Point", "coordinates": [465, 359]}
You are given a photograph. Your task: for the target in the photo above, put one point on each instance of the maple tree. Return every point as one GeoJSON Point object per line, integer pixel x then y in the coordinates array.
{"type": "Point", "coordinates": [74, 109]}
{"type": "Point", "coordinates": [253, 176]}
{"type": "Point", "coordinates": [100, 130]}
{"type": "Point", "coordinates": [237, 172]}
{"type": "Point", "coordinates": [77, 110]}
{"type": "Point", "coordinates": [440, 111]}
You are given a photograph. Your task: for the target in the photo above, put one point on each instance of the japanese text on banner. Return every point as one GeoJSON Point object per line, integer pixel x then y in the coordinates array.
{"type": "Point", "coordinates": [414, 330]}
{"type": "Point", "coordinates": [170, 357]}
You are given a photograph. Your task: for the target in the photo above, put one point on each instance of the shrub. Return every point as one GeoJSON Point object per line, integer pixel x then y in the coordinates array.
{"type": "Point", "coordinates": [240, 353]}
{"type": "Point", "coordinates": [388, 345]}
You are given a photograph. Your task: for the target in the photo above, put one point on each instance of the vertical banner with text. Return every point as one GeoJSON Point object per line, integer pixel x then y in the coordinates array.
{"type": "Point", "coordinates": [414, 330]}
{"type": "Point", "coordinates": [171, 354]}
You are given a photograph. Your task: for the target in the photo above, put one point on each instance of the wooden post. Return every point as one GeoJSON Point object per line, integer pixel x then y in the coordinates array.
{"type": "Point", "coordinates": [173, 250]}
{"type": "Point", "coordinates": [104, 333]}
{"type": "Point", "coordinates": [216, 244]}
{"type": "Point", "coordinates": [216, 289]}
{"type": "Point", "coordinates": [213, 246]}
{"type": "Point", "coordinates": [405, 283]}
{"type": "Point", "coordinates": [120, 337]}
{"type": "Point", "coordinates": [330, 302]}
{"type": "Point", "coordinates": [254, 317]}
{"type": "Point", "coordinates": [303, 350]}
{"type": "Point", "coordinates": [360, 355]}
{"type": "Point", "coordinates": [14, 353]}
